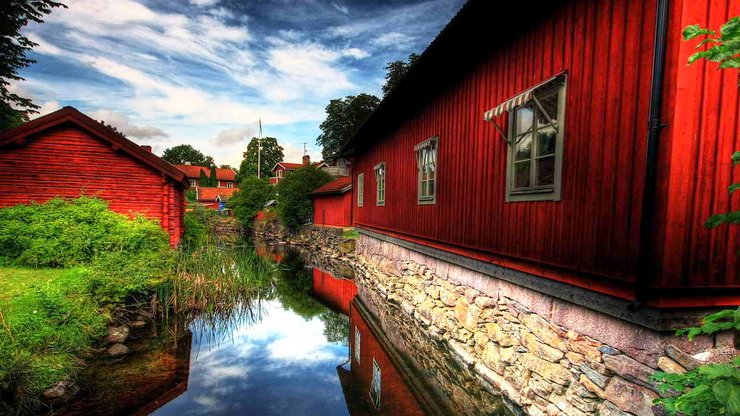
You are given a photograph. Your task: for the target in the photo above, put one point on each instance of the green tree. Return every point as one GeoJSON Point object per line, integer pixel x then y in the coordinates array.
{"type": "Point", "coordinates": [204, 180]}
{"type": "Point", "coordinates": [294, 205]}
{"type": "Point", "coordinates": [396, 70]}
{"type": "Point", "coordinates": [14, 15]}
{"type": "Point", "coordinates": [213, 178]}
{"type": "Point", "coordinates": [180, 154]}
{"type": "Point", "coordinates": [251, 198]}
{"type": "Point", "coordinates": [225, 166]}
{"type": "Point", "coordinates": [271, 154]}
{"type": "Point", "coordinates": [344, 116]}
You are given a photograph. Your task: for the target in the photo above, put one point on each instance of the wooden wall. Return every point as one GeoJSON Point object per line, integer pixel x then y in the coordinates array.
{"type": "Point", "coordinates": [67, 162]}
{"type": "Point", "coordinates": [591, 235]}
{"type": "Point", "coordinates": [333, 292]}
{"type": "Point", "coordinates": [333, 210]}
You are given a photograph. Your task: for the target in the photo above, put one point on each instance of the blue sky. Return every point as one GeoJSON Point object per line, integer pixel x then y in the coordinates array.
{"type": "Point", "coordinates": [202, 71]}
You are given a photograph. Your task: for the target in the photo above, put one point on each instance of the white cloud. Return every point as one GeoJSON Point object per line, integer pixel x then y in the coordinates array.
{"type": "Point", "coordinates": [235, 135]}
{"type": "Point", "coordinates": [202, 3]}
{"type": "Point", "coordinates": [48, 107]}
{"type": "Point", "coordinates": [122, 122]}
{"type": "Point", "coordinates": [394, 39]}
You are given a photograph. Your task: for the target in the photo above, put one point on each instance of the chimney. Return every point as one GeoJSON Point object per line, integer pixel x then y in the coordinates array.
{"type": "Point", "coordinates": [306, 159]}
{"type": "Point", "coordinates": [188, 163]}
{"type": "Point", "coordinates": [146, 147]}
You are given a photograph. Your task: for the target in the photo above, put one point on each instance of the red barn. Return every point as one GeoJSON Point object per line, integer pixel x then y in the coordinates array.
{"type": "Point", "coordinates": [66, 154]}
{"type": "Point", "coordinates": [567, 143]}
{"type": "Point", "coordinates": [332, 203]}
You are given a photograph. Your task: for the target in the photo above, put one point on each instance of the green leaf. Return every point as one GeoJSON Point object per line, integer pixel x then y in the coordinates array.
{"type": "Point", "coordinates": [723, 314]}
{"type": "Point", "coordinates": [690, 32]}
{"type": "Point", "coordinates": [735, 158]}
{"type": "Point", "coordinates": [732, 27]}
{"type": "Point", "coordinates": [730, 63]}
{"type": "Point", "coordinates": [734, 187]}
{"type": "Point", "coordinates": [715, 220]}
{"type": "Point", "coordinates": [715, 371]}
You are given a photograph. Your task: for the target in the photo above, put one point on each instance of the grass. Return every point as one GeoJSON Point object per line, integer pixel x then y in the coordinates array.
{"type": "Point", "coordinates": [47, 321]}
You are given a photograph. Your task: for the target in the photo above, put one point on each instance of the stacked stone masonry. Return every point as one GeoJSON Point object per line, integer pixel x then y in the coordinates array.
{"type": "Point", "coordinates": [548, 356]}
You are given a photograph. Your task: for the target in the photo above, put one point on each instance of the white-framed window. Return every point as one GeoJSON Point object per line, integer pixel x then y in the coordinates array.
{"type": "Point", "coordinates": [426, 164]}
{"type": "Point", "coordinates": [193, 183]}
{"type": "Point", "coordinates": [279, 173]}
{"type": "Point", "coordinates": [358, 343]}
{"type": "Point", "coordinates": [229, 184]}
{"type": "Point", "coordinates": [375, 386]}
{"type": "Point", "coordinates": [536, 149]}
{"type": "Point", "coordinates": [380, 184]}
{"type": "Point", "coordinates": [360, 189]}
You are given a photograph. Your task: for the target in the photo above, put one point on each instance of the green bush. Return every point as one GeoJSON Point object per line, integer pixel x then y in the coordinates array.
{"type": "Point", "coordinates": [295, 207]}
{"type": "Point", "coordinates": [199, 223]}
{"type": "Point", "coordinates": [251, 198]}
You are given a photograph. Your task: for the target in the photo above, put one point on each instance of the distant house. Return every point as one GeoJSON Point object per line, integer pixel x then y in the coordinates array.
{"type": "Point", "coordinates": [215, 198]}
{"type": "Point", "coordinates": [332, 203]}
{"type": "Point", "coordinates": [226, 177]}
{"type": "Point", "coordinates": [66, 154]}
{"type": "Point", "coordinates": [283, 169]}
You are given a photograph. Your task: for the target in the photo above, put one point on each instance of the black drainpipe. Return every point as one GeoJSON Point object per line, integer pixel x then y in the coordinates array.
{"type": "Point", "coordinates": [646, 262]}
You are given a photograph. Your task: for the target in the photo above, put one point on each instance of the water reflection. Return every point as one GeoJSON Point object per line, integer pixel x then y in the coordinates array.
{"type": "Point", "coordinates": [309, 343]}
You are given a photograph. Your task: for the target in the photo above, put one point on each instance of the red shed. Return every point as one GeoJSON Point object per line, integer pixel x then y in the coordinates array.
{"type": "Point", "coordinates": [332, 203]}
{"type": "Point", "coordinates": [530, 150]}
{"type": "Point", "coordinates": [66, 154]}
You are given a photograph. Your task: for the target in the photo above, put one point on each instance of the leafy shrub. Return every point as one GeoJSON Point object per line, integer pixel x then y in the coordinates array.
{"type": "Point", "coordinates": [199, 224]}
{"type": "Point", "coordinates": [251, 198]}
{"type": "Point", "coordinates": [294, 205]}
{"type": "Point", "coordinates": [711, 389]}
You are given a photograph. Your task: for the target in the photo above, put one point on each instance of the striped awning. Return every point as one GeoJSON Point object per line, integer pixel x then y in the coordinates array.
{"type": "Point", "coordinates": [520, 98]}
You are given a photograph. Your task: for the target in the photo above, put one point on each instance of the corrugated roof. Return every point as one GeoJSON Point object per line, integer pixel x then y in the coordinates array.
{"type": "Point", "coordinates": [337, 186]}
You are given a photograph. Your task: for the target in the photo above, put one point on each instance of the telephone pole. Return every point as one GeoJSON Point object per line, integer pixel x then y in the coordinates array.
{"type": "Point", "coordinates": [259, 150]}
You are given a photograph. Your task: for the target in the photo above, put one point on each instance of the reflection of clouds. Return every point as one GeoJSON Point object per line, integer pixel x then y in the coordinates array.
{"type": "Point", "coordinates": [281, 365]}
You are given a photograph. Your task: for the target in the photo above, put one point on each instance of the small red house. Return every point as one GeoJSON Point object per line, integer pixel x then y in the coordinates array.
{"type": "Point", "coordinates": [215, 198]}
{"type": "Point", "coordinates": [66, 154]}
{"type": "Point", "coordinates": [332, 203]}
{"type": "Point", "coordinates": [567, 144]}
{"type": "Point", "coordinates": [283, 169]}
{"type": "Point", "coordinates": [226, 177]}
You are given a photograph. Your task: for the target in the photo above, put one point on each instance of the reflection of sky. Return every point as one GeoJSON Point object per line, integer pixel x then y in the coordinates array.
{"type": "Point", "coordinates": [282, 365]}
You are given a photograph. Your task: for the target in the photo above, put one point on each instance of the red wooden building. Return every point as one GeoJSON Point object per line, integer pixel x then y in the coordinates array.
{"type": "Point", "coordinates": [215, 198]}
{"type": "Point", "coordinates": [283, 169]}
{"type": "Point", "coordinates": [332, 203]}
{"type": "Point", "coordinates": [226, 177]}
{"type": "Point", "coordinates": [66, 154]}
{"type": "Point", "coordinates": [567, 142]}
{"type": "Point", "coordinates": [336, 293]}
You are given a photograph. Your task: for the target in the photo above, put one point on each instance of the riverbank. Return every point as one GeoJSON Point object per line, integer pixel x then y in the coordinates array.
{"type": "Point", "coordinates": [508, 337]}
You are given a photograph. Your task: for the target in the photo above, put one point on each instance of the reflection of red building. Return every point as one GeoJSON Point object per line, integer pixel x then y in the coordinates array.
{"type": "Point", "coordinates": [374, 384]}
{"type": "Point", "coordinates": [332, 292]}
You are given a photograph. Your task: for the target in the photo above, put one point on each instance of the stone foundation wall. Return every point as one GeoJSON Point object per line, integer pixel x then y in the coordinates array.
{"type": "Point", "coordinates": [548, 356]}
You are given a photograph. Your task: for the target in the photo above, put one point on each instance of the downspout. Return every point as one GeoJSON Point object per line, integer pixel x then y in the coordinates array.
{"type": "Point", "coordinates": [645, 261]}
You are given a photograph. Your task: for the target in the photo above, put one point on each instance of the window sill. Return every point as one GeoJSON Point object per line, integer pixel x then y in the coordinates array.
{"type": "Point", "coordinates": [426, 201]}
{"type": "Point", "coordinates": [547, 194]}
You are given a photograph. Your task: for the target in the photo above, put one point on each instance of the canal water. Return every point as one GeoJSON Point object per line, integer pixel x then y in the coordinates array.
{"type": "Point", "coordinates": [310, 343]}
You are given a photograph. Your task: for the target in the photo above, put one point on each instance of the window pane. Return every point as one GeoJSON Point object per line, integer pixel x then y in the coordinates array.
{"type": "Point", "coordinates": [546, 171]}
{"type": "Point", "coordinates": [521, 174]}
{"type": "Point", "coordinates": [430, 188]}
{"type": "Point", "coordinates": [546, 141]}
{"type": "Point", "coordinates": [549, 101]}
{"type": "Point", "coordinates": [423, 189]}
{"type": "Point", "coordinates": [524, 148]}
{"type": "Point", "coordinates": [523, 119]}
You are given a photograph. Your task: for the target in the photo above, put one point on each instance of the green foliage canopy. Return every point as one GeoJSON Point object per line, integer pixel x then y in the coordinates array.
{"type": "Point", "coordinates": [294, 205]}
{"type": "Point", "coordinates": [723, 48]}
{"type": "Point", "coordinates": [396, 70]}
{"type": "Point", "coordinates": [182, 153]}
{"type": "Point", "coordinates": [271, 154]}
{"type": "Point", "coordinates": [344, 116]}
{"type": "Point", "coordinates": [14, 15]}
{"type": "Point", "coordinates": [251, 198]}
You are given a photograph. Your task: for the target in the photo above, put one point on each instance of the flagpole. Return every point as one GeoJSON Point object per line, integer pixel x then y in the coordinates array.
{"type": "Point", "coordinates": [259, 150]}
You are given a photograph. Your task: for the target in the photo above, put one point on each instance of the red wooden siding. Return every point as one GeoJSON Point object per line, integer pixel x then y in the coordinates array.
{"type": "Point", "coordinates": [590, 238]}
{"type": "Point", "coordinates": [702, 111]}
{"type": "Point", "coordinates": [336, 293]}
{"type": "Point", "coordinates": [578, 238]}
{"type": "Point", "coordinates": [333, 210]}
{"type": "Point", "coordinates": [67, 161]}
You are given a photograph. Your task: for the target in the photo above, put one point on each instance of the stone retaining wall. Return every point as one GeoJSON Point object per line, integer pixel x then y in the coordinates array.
{"type": "Point", "coordinates": [548, 356]}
